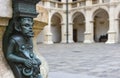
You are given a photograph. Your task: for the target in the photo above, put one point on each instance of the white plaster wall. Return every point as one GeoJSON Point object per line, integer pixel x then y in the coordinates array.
{"type": "Point", "coordinates": [56, 33]}
{"type": "Point", "coordinates": [101, 29]}
{"type": "Point", "coordinates": [40, 37]}
{"type": "Point", "coordinates": [5, 8]}
{"type": "Point", "coordinates": [80, 33]}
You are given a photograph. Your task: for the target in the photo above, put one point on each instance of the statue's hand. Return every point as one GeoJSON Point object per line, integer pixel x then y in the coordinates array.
{"type": "Point", "coordinates": [38, 61]}
{"type": "Point", "coordinates": [28, 63]}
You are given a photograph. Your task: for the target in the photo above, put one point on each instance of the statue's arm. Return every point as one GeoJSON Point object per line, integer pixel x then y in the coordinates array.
{"type": "Point", "coordinates": [37, 59]}
{"type": "Point", "coordinates": [10, 55]}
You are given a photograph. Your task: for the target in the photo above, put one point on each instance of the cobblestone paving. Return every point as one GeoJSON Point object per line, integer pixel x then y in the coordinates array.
{"type": "Point", "coordinates": [99, 60]}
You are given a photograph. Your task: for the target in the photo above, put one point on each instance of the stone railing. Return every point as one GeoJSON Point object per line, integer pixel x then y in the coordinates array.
{"type": "Point", "coordinates": [56, 4]}
{"type": "Point", "coordinates": [77, 4]}
{"type": "Point", "coordinates": [100, 1]}
{"type": "Point", "coordinates": [53, 4]}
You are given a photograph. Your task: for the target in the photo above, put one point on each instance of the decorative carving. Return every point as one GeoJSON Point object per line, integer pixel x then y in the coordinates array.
{"type": "Point", "coordinates": [17, 41]}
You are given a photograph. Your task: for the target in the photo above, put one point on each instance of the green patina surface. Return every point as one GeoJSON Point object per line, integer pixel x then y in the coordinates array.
{"type": "Point", "coordinates": [17, 40]}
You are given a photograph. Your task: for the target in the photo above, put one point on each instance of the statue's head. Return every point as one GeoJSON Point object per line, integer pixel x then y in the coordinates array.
{"type": "Point", "coordinates": [25, 26]}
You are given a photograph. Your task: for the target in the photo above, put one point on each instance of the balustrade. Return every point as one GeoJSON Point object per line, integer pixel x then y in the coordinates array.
{"type": "Point", "coordinates": [75, 4]}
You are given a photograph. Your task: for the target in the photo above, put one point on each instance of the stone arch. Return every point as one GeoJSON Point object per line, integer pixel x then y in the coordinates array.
{"type": "Point", "coordinates": [96, 9]}
{"type": "Point", "coordinates": [56, 20]}
{"type": "Point", "coordinates": [73, 14]}
{"type": "Point", "coordinates": [78, 20]}
{"type": "Point", "coordinates": [101, 25]}
{"type": "Point", "coordinates": [59, 14]}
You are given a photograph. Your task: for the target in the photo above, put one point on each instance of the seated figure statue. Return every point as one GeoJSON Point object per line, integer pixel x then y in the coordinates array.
{"type": "Point", "coordinates": [18, 49]}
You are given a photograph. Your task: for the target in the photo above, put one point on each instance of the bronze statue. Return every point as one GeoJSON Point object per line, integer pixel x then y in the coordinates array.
{"type": "Point", "coordinates": [17, 41]}
{"type": "Point", "coordinates": [19, 51]}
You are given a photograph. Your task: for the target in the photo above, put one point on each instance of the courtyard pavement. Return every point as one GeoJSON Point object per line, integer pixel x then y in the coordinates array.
{"type": "Point", "coordinates": [78, 60]}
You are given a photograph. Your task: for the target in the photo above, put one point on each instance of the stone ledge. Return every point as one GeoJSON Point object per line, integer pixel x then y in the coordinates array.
{"type": "Point", "coordinates": [4, 21]}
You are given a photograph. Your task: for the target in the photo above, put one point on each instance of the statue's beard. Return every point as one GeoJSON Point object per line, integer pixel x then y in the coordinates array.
{"type": "Point", "coordinates": [29, 34]}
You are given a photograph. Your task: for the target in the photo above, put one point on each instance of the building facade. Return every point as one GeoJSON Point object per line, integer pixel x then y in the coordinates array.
{"type": "Point", "coordinates": [89, 21]}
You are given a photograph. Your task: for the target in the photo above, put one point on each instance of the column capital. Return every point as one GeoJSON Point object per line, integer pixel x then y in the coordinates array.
{"type": "Point", "coordinates": [88, 8]}
{"type": "Point", "coordinates": [70, 23]}
{"type": "Point", "coordinates": [92, 21]}
{"type": "Point", "coordinates": [62, 23]}
{"type": "Point", "coordinates": [117, 19]}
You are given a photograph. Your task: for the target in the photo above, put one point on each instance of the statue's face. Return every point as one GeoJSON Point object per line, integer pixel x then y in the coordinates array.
{"type": "Point", "coordinates": [26, 26]}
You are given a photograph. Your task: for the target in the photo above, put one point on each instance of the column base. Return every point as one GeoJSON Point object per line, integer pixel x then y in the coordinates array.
{"type": "Point", "coordinates": [88, 41]}
{"type": "Point", "coordinates": [49, 42]}
{"type": "Point", "coordinates": [69, 41]}
{"type": "Point", "coordinates": [110, 42]}
{"type": "Point", "coordinates": [63, 42]}
{"type": "Point", "coordinates": [111, 38]}
{"type": "Point", "coordinates": [88, 38]}
{"type": "Point", "coordinates": [48, 39]}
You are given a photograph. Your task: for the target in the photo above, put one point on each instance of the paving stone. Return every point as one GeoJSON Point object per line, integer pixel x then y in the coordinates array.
{"type": "Point", "coordinates": [97, 60]}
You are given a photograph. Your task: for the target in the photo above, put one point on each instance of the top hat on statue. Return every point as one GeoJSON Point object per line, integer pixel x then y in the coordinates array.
{"type": "Point", "coordinates": [24, 8]}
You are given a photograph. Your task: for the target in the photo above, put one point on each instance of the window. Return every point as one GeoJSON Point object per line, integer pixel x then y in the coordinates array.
{"type": "Point", "coordinates": [74, 0]}
{"type": "Point", "coordinates": [59, 0]}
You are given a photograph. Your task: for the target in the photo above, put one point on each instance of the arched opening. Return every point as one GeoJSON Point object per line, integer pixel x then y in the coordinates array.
{"type": "Point", "coordinates": [56, 28]}
{"type": "Point", "coordinates": [101, 25]}
{"type": "Point", "coordinates": [78, 27]}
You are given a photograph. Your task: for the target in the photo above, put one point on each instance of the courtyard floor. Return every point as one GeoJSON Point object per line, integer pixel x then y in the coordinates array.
{"type": "Point", "coordinates": [78, 60]}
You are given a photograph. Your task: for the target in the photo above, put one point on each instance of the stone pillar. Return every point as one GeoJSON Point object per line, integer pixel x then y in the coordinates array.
{"type": "Point", "coordinates": [112, 31]}
{"type": "Point", "coordinates": [70, 28]}
{"type": "Point", "coordinates": [63, 33]}
{"type": "Point", "coordinates": [88, 2]}
{"type": "Point", "coordinates": [63, 29]}
{"type": "Point", "coordinates": [100, 1]}
{"type": "Point", "coordinates": [70, 33]}
{"type": "Point", "coordinates": [89, 28]}
{"type": "Point", "coordinates": [117, 30]}
{"type": "Point", "coordinates": [69, 0]}
{"type": "Point", "coordinates": [47, 32]}
{"type": "Point", "coordinates": [47, 4]}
